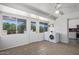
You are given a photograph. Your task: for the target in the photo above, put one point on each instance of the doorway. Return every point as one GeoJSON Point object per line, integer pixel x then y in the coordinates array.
{"type": "Point", "coordinates": [73, 31]}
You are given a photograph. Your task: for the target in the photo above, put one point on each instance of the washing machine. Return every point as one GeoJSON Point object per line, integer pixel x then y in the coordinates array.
{"type": "Point", "coordinates": [51, 35]}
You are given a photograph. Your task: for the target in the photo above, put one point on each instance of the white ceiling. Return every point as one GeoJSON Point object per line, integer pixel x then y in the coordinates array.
{"type": "Point", "coordinates": [50, 7]}
{"type": "Point", "coordinates": [45, 9]}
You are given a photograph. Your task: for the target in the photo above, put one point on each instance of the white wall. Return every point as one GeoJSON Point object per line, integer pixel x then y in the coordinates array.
{"type": "Point", "coordinates": [61, 26]}
{"type": "Point", "coordinates": [73, 23]}
{"type": "Point", "coordinates": [13, 40]}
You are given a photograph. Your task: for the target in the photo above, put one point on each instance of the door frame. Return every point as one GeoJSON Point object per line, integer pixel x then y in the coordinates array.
{"type": "Point", "coordinates": [68, 19]}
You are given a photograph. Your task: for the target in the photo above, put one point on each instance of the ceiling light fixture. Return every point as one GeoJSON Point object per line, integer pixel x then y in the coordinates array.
{"type": "Point", "coordinates": [58, 11]}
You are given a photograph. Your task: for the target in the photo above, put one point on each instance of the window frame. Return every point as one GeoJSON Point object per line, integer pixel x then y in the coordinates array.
{"type": "Point", "coordinates": [43, 23]}
{"type": "Point", "coordinates": [33, 22]}
{"type": "Point", "coordinates": [16, 20]}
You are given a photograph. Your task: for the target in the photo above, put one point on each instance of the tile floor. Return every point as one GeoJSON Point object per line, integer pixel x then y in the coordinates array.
{"type": "Point", "coordinates": [43, 48]}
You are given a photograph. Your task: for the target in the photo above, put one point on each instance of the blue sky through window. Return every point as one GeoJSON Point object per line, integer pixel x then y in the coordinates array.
{"type": "Point", "coordinates": [10, 21]}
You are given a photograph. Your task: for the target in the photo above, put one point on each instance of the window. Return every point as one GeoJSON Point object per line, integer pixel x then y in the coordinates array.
{"type": "Point", "coordinates": [33, 26]}
{"type": "Point", "coordinates": [21, 25]}
{"type": "Point", "coordinates": [9, 24]}
{"type": "Point", "coordinates": [13, 25]}
{"type": "Point", "coordinates": [43, 27]}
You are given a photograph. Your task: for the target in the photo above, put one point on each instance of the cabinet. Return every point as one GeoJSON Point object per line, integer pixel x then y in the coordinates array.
{"type": "Point", "coordinates": [77, 32]}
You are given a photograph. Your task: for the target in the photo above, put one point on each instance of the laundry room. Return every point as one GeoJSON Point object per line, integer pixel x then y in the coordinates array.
{"type": "Point", "coordinates": [26, 29]}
